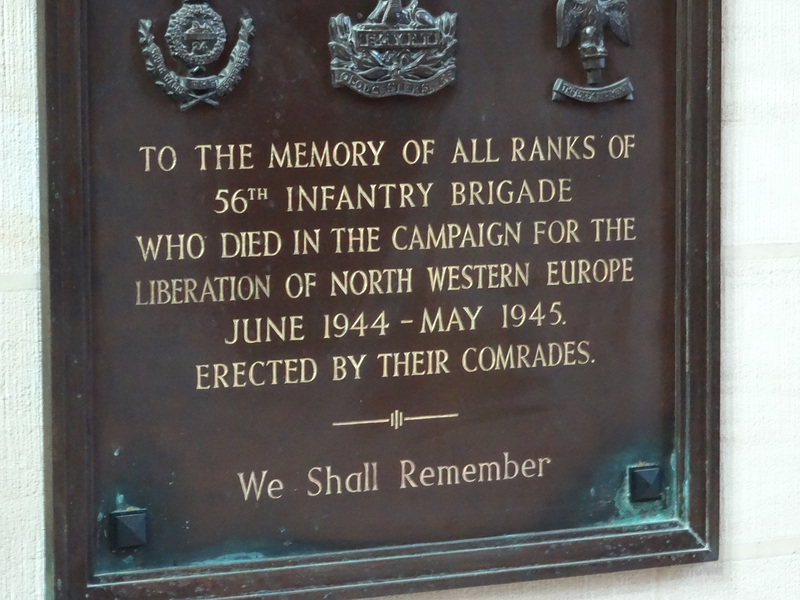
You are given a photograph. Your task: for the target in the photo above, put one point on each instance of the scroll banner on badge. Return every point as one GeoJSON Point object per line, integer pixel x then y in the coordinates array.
{"type": "Point", "coordinates": [394, 87]}
{"type": "Point", "coordinates": [615, 91]}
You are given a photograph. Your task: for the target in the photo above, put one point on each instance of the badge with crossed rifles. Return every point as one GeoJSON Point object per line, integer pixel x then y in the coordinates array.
{"type": "Point", "coordinates": [196, 36]}
{"type": "Point", "coordinates": [592, 17]}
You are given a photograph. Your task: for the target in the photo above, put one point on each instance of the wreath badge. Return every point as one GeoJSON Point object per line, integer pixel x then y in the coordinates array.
{"type": "Point", "coordinates": [196, 36]}
{"type": "Point", "coordinates": [398, 50]}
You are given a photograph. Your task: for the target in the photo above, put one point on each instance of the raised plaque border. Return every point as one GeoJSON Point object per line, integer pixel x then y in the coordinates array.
{"type": "Point", "coordinates": [693, 537]}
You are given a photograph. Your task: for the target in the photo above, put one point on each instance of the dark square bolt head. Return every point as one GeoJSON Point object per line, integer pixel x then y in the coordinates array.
{"type": "Point", "coordinates": [647, 484]}
{"type": "Point", "coordinates": [128, 529]}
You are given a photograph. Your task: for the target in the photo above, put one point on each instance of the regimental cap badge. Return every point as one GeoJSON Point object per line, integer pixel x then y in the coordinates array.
{"type": "Point", "coordinates": [398, 50]}
{"type": "Point", "coordinates": [196, 37]}
{"type": "Point", "coordinates": [591, 18]}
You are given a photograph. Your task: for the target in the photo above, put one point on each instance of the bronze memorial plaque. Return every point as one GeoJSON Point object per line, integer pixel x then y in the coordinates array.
{"type": "Point", "coordinates": [357, 297]}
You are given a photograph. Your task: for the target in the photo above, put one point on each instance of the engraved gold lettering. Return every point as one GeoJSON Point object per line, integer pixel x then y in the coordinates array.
{"type": "Point", "coordinates": [166, 157]}
{"type": "Point", "coordinates": [415, 151]}
{"type": "Point", "coordinates": [414, 363]}
{"type": "Point", "coordinates": [359, 197]}
{"type": "Point", "coordinates": [495, 471]}
{"type": "Point", "coordinates": [306, 242]}
{"type": "Point", "coordinates": [620, 146]}
{"type": "Point", "coordinates": [481, 152]}
{"type": "Point", "coordinates": [477, 193]}
{"type": "Point", "coordinates": [553, 149]}
{"type": "Point", "coordinates": [556, 232]}
{"type": "Point", "coordinates": [356, 239]}
{"type": "Point", "coordinates": [266, 330]}
{"type": "Point", "coordinates": [341, 365]}
{"type": "Point", "coordinates": [451, 236]}
{"type": "Point", "coordinates": [371, 282]}
{"type": "Point", "coordinates": [255, 487]}
{"type": "Point", "coordinates": [523, 356]}
{"type": "Point", "coordinates": [209, 290]}
{"type": "Point", "coordinates": [582, 271]}
{"type": "Point", "coordinates": [308, 155]}
{"type": "Point", "coordinates": [250, 244]}
{"type": "Point", "coordinates": [226, 154]}
{"type": "Point", "coordinates": [300, 285]}
{"type": "Point", "coordinates": [438, 322]}
{"type": "Point", "coordinates": [615, 230]}
{"type": "Point", "coordinates": [357, 482]}
{"type": "Point", "coordinates": [176, 247]}
{"type": "Point", "coordinates": [453, 278]}
{"type": "Point", "coordinates": [288, 371]}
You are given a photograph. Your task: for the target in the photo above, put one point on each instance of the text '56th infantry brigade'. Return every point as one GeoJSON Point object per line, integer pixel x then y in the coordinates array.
{"type": "Point", "coordinates": [196, 36]}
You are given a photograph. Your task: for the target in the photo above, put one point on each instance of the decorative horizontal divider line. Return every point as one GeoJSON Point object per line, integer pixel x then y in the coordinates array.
{"type": "Point", "coordinates": [396, 420]}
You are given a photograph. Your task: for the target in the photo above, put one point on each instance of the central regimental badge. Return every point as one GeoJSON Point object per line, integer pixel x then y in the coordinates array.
{"type": "Point", "coordinates": [398, 51]}
{"type": "Point", "coordinates": [196, 36]}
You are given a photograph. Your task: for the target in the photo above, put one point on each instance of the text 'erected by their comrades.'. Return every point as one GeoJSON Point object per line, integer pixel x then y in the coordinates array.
{"type": "Point", "coordinates": [521, 252]}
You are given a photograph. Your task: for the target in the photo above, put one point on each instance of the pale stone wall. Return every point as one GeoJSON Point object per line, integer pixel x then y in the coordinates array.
{"type": "Point", "coordinates": [21, 479]}
{"type": "Point", "coordinates": [761, 326]}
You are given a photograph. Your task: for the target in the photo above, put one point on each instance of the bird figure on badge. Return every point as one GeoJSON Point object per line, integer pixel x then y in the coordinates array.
{"type": "Point", "coordinates": [393, 13]}
{"type": "Point", "coordinates": [591, 17]}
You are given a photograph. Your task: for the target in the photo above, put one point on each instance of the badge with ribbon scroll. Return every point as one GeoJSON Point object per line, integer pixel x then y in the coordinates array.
{"type": "Point", "coordinates": [591, 18]}
{"type": "Point", "coordinates": [196, 36]}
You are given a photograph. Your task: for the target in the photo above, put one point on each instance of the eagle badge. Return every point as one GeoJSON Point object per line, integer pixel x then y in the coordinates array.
{"type": "Point", "coordinates": [591, 18]}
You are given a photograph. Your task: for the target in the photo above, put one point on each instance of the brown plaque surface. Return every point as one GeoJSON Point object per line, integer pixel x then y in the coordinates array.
{"type": "Point", "coordinates": [431, 305]}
